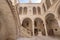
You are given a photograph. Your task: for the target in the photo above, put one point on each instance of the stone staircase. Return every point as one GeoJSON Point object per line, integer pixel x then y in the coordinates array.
{"type": "Point", "coordinates": [25, 32]}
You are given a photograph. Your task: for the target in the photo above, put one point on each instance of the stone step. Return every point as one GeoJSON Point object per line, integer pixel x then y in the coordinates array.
{"type": "Point", "coordinates": [39, 38]}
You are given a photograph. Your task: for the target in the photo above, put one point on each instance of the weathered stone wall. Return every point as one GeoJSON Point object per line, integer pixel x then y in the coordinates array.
{"type": "Point", "coordinates": [8, 21]}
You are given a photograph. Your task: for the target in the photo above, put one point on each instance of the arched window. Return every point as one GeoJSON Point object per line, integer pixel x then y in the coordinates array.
{"type": "Point", "coordinates": [20, 10]}
{"type": "Point", "coordinates": [34, 10]}
{"type": "Point", "coordinates": [44, 8]}
{"type": "Point", "coordinates": [25, 10]}
{"type": "Point", "coordinates": [39, 10]}
{"type": "Point", "coordinates": [48, 3]}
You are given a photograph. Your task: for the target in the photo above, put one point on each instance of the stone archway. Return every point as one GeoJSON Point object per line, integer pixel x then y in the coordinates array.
{"type": "Point", "coordinates": [51, 25]}
{"type": "Point", "coordinates": [58, 12]}
{"type": "Point", "coordinates": [27, 23]}
{"type": "Point", "coordinates": [39, 27]}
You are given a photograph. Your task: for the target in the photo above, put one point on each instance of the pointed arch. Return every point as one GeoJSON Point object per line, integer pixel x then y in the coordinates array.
{"type": "Point", "coordinates": [44, 7]}
{"type": "Point", "coordinates": [25, 10]}
{"type": "Point", "coordinates": [58, 12]}
{"type": "Point", "coordinates": [48, 4]}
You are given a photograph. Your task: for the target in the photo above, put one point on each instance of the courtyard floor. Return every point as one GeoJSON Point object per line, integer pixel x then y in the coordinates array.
{"type": "Point", "coordinates": [39, 38]}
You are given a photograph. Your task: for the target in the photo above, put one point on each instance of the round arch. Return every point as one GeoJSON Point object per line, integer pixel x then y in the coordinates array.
{"type": "Point", "coordinates": [39, 10]}
{"type": "Point", "coordinates": [25, 10]}
{"type": "Point", "coordinates": [27, 23]}
{"type": "Point", "coordinates": [34, 10]}
{"type": "Point", "coordinates": [20, 10]}
{"type": "Point", "coordinates": [39, 27]}
{"type": "Point", "coordinates": [51, 24]}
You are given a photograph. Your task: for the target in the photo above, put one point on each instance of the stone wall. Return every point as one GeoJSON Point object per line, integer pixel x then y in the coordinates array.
{"type": "Point", "coordinates": [9, 21]}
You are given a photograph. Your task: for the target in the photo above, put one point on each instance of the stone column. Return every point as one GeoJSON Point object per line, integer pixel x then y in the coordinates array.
{"type": "Point", "coordinates": [33, 27]}
{"type": "Point", "coordinates": [22, 10]}
{"type": "Point", "coordinates": [45, 28]}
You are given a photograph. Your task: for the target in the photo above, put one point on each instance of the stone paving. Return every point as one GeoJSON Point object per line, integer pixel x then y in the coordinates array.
{"type": "Point", "coordinates": [39, 38]}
